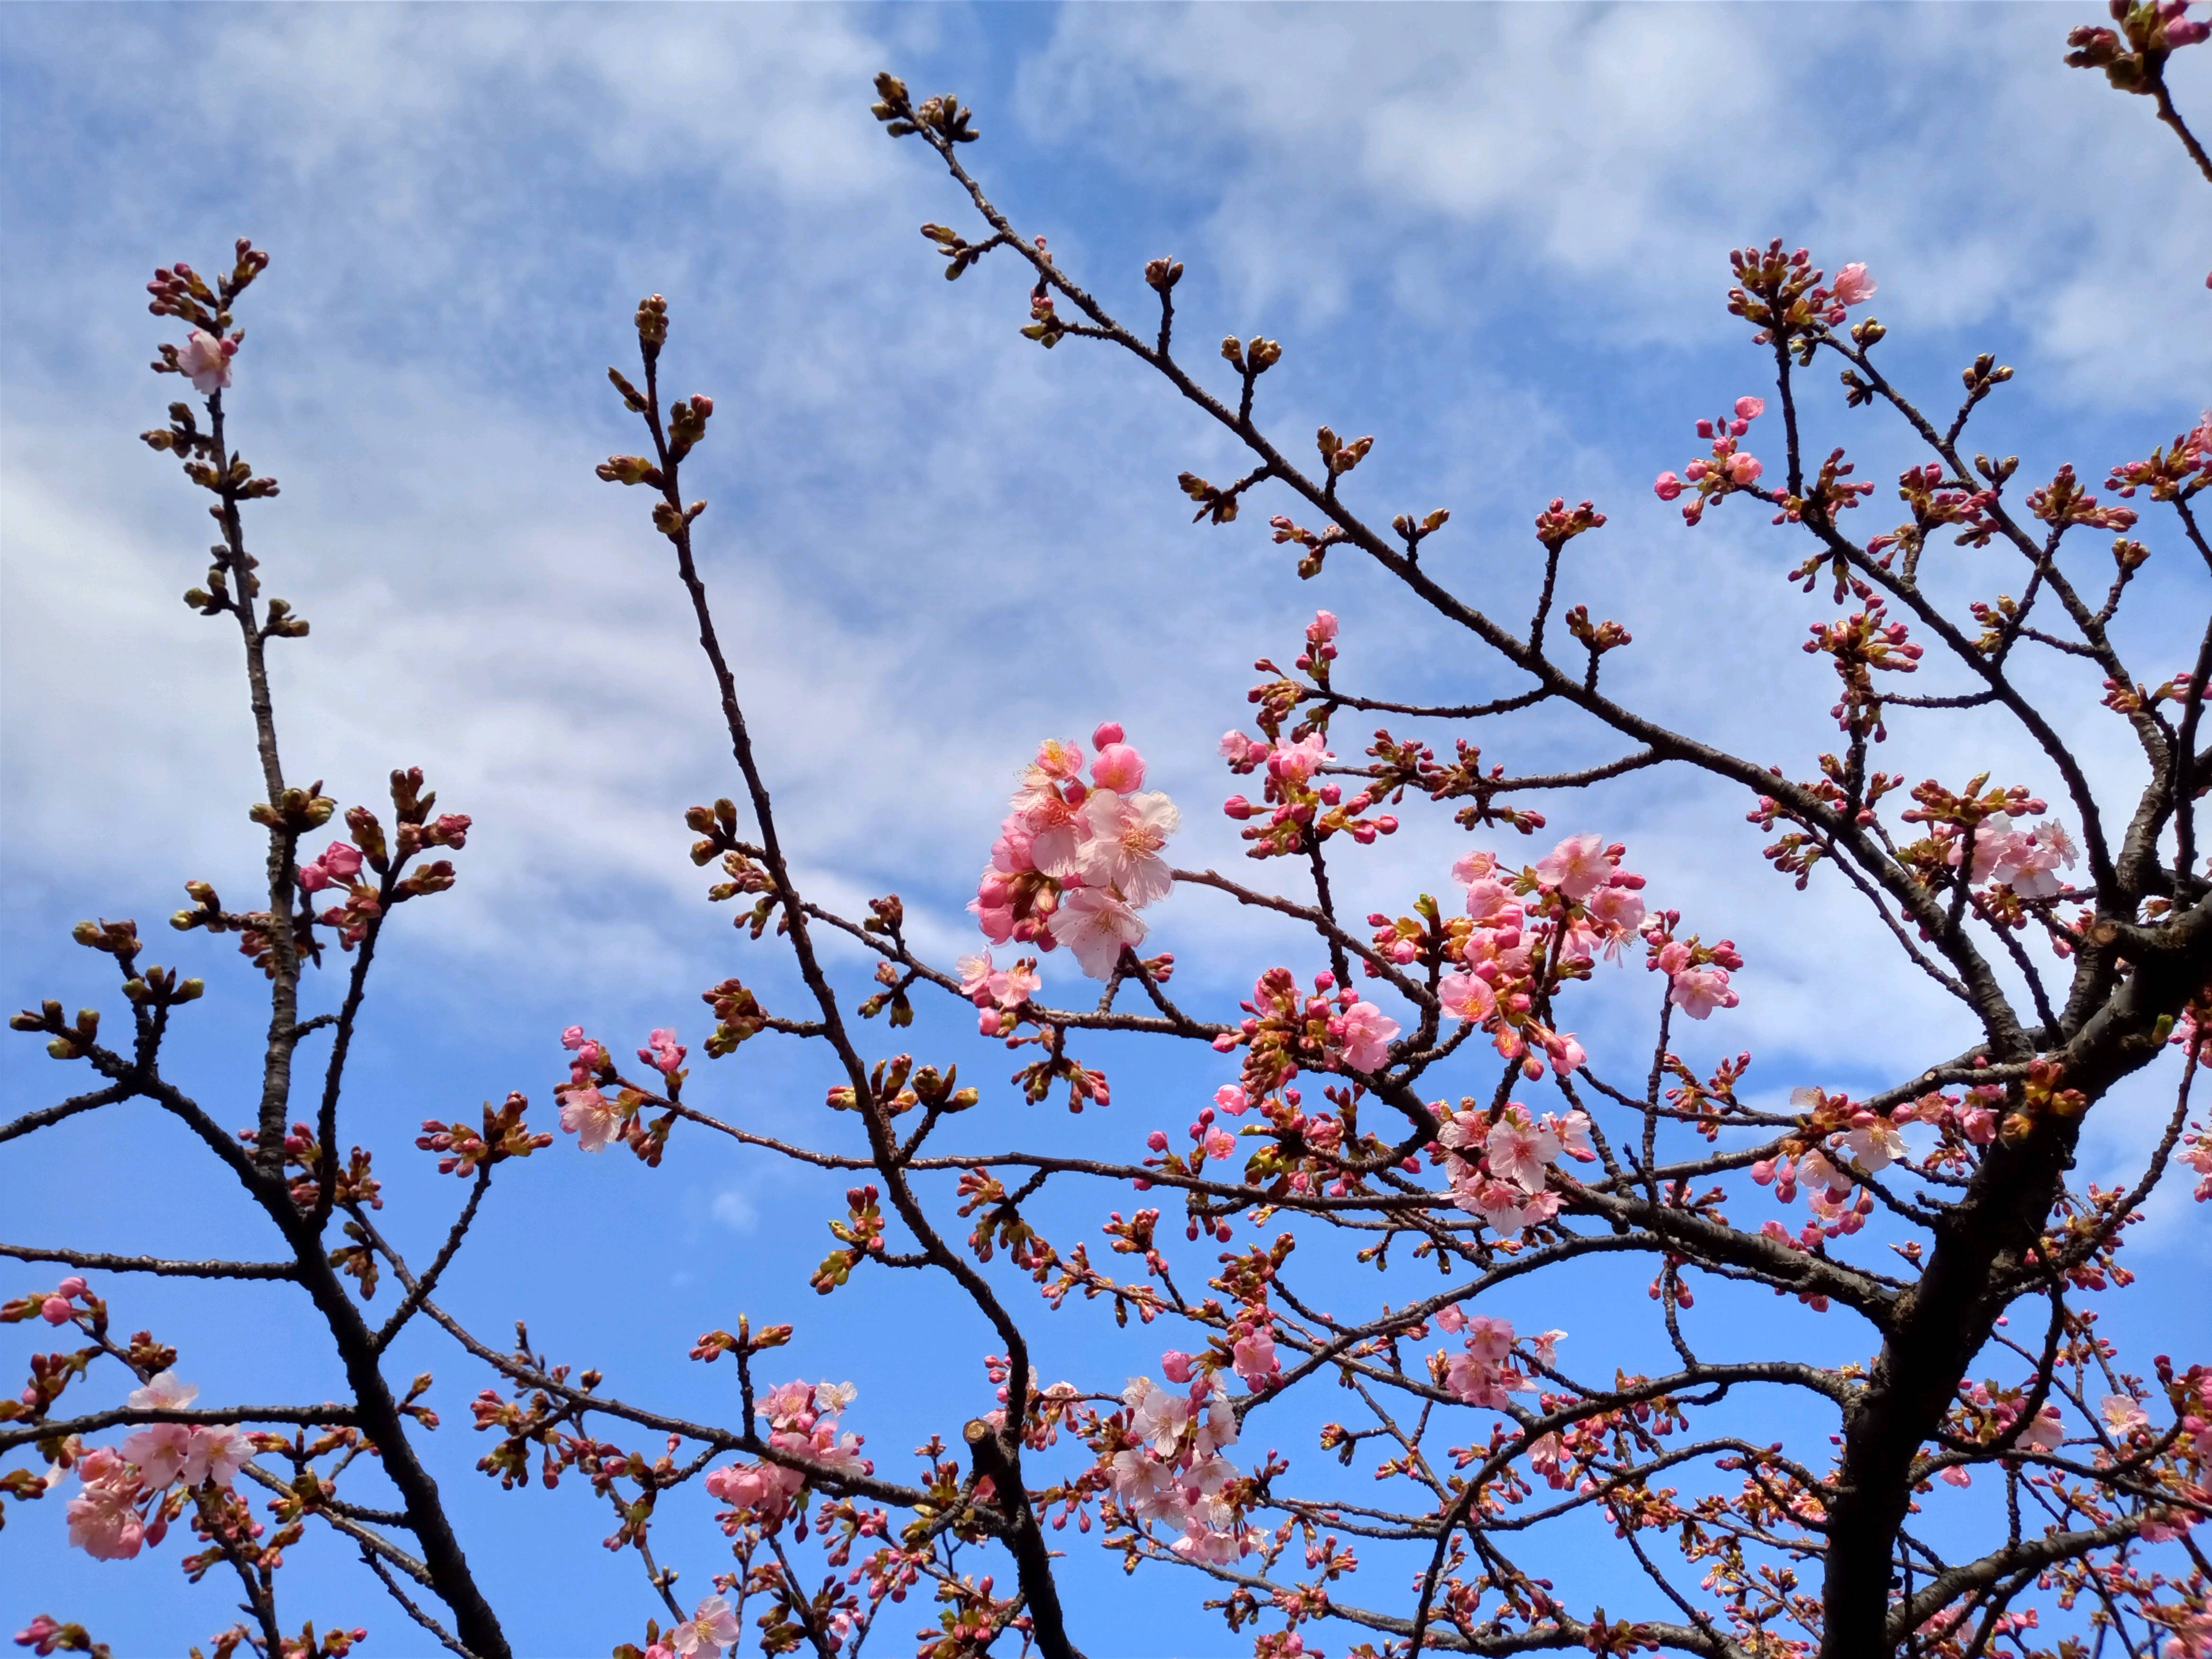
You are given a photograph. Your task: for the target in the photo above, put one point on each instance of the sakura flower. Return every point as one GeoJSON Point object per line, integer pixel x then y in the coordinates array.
{"type": "Point", "coordinates": [1217, 1424]}
{"type": "Point", "coordinates": [1254, 1358]}
{"type": "Point", "coordinates": [1572, 1133]}
{"type": "Point", "coordinates": [1295, 762]}
{"type": "Point", "coordinates": [1547, 1345]}
{"type": "Point", "coordinates": [1875, 1145]}
{"type": "Point", "coordinates": [1578, 867]}
{"type": "Point", "coordinates": [1470, 867]}
{"type": "Point", "coordinates": [1365, 1032]}
{"type": "Point", "coordinates": [164, 1393]}
{"type": "Point", "coordinates": [1545, 1457]}
{"type": "Point", "coordinates": [204, 360]}
{"type": "Point", "coordinates": [218, 1453]}
{"type": "Point", "coordinates": [160, 1450]}
{"type": "Point", "coordinates": [1667, 486]}
{"type": "Point", "coordinates": [1055, 832]}
{"type": "Point", "coordinates": [589, 1116]}
{"type": "Point", "coordinates": [1490, 1339]}
{"type": "Point", "coordinates": [1465, 996]}
{"type": "Point", "coordinates": [1156, 1416]}
{"type": "Point", "coordinates": [1743, 469]}
{"type": "Point", "coordinates": [662, 1052]}
{"type": "Point", "coordinates": [1095, 924]}
{"type": "Point", "coordinates": [1620, 911]}
{"type": "Point", "coordinates": [1750, 409]}
{"type": "Point", "coordinates": [711, 1628]}
{"type": "Point", "coordinates": [1520, 1150]}
{"type": "Point", "coordinates": [2123, 1414]}
{"type": "Point", "coordinates": [1232, 1099]}
{"type": "Point", "coordinates": [2047, 1433]}
{"type": "Point", "coordinates": [1492, 905]}
{"type": "Point", "coordinates": [1126, 834]}
{"type": "Point", "coordinates": [976, 976]}
{"type": "Point", "coordinates": [1118, 768]}
{"type": "Point", "coordinates": [104, 1520]}
{"type": "Point", "coordinates": [1852, 286]}
{"type": "Point", "coordinates": [1698, 991]}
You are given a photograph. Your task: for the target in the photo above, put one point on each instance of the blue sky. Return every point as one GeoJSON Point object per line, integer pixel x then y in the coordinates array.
{"type": "Point", "coordinates": [1495, 238]}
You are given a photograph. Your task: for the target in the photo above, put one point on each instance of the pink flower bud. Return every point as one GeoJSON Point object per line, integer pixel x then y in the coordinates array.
{"type": "Point", "coordinates": [70, 1286]}
{"type": "Point", "coordinates": [1176, 1364]}
{"type": "Point", "coordinates": [1107, 733]}
{"type": "Point", "coordinates": [313, 877]}
{"type": "Point", "coordinates": [1158, 1140]}
{"type": "Point", "coordinates": [1705, 428]}
{"type": "Point", "coordinates": [1666, 487]}
{"type": "Point", "coordinates": [1750, 409]}
{"type": "Point", "coordinates": [1695, 471]}
{"type": "Point", "coordinates": [1237, 807]}
{"type": "Point", "coordinates": [1744, 470]}
{"type": "Point", "coordinates": [55, 1310]}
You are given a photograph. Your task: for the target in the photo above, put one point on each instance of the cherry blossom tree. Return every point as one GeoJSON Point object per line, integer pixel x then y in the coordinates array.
{"type": "Point", "coordinates": [1407, 1081]}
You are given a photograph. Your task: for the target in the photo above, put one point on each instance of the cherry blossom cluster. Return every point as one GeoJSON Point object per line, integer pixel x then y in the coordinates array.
{"type": "Point", "coordinates": [802, 1419]}
{"type": "Point", "coordinates": [1167, 1470]}
{"type": "Point", "coordinates": [1285, 1031]}
{"type": "Point", "coordinates": [1728, 468]}
{"type": "Point", "coordinates": [1500, 1166]}
{"type": "Point", "coordinates": [127, 1501]}
{"type": "Point", "coordinates": [1483, 1372]}
{"type": "Point", "coordinates": [1075, 862]}
{"type": "Point", "coordinates": [1295, 812]}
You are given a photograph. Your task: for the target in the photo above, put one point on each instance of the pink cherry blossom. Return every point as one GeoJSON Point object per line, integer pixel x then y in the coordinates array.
{"type": "Point", "coordinates": [1743, 469]}
{"type": "Point", "coordinates": [1578, 867]}
{"type": "Point", "coordinates": [1126, 834]}
{"type": "Point", "coordinates": [1698, 991]}
{"type": "Point", "coordinates": [1852, 286]}
{"type": "Point", "coordinates": [2123, 1413]}
{"type": "Point", "coordinates": [204, 360]}
{"type": "Point", "coordinates": [589, 1116]}
{"type": "Point", "coordinates": [1667, 486]}
{"type": "Point", "coordinates": [160, 1450]}
{"type": "Point", "coordinates": [711, 1628]}
{"type": "Point", "coordinates": [1295, 763]}
{"type": "Point", "coordinates": [1232, 1099]}
{"type": "Point", "coordinates": [1465, 996]}
{"type": "Point", "coordinates": [1364, 1033]}
{"type": "Point", "coordinates": [1750, 409]}
{"type": "Point", "coordinates": [662, 1051]}
{"type": "Point", "coordinates": [55, 1310]}
{"type": "Point", "coordinates": [1095, 924]}
{"type": "Point", "coordinates": [1520, 1150]}
{"type": "Point", "coordinates": [1118, 768]}
{"type": "Point", "coordinates": [2047, 1433]}
{"type": "Point", "coordinates": [1254, 1358]}
{"type": "Point", "coordinates": [1060, 758]}
{"type": "Point", "coordinates": [104, 1520]}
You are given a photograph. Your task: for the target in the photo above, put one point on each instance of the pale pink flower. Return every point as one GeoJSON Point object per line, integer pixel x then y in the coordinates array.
{"type": "Point", "coordinates": [1470, 867]}
{"type": "Point", "coordinates": [103, 1520]}
{"type": "Point", "coordinates": [1295, 762]}
{"type": "Point", "coordinates": [1567, 1054]}
{"type": "Point", "coordinates": [1520, 1150]}
{"type": "Point", "coordinates": [1698, 991]}
{"type": "Point", "coordinates": [218, 1454]}
{"type": "Point", "coordinates": [2047, 1433]}
{"type": "Point", "coordinates": [1572, 1133]}
{"type": "Point", "coordinates": [1466, 996]}
{"type": "Point", "coordinates": [1547, 1345]}
{"type": "Point", "coordinates": [1492, 904]}
{"type": "Point", "coordinates": [1545, 1456]}
{"type": "Point", "coordinates": [204, 360]}
{"type": "Point", "coordinates": [164, 1393]}
{"type": "Point", "coordinates": [1620, 911]}
{"type": "Point", "coordinates": [1054, 828]}
{"type": "Point", "coordinates": [589, 1116]}
{"type": "Point", "coordinates": [1852, 286]}
{"type": "Point", "coordinates": [1490, 1339]}
{"type": "Point", "coordinates": [1060, 758]}
{"type": "Point", "coordinates": [662, 1052]}
{"type": "Point", "coordinates": [1958, 1476]}
{"type": "Point", "coordinates": [160, 1450]}
{"type": "Point", "coordinates": [1743, 469]}
{"type": "Point", "coordinates": [1363, 1032]}
{"type": "Point", "coordinates": [1875, 1146]}
{"type": "Point", "coordinates": [1095, 924]}
{"type": "Point", "coordinates": [2123, 1414]}
{"type": "Point", "coordinates": [1118, 768]}
{"type": "Point", "coordinates": [1814, 1170]}
{"type": "Point", "coordinates": [1254, 1358]}
{"type": "Point", "coordinates": [1578, 867]}
{"type": "Point", "coordinates": [711, 1628]}
{"type": "Point", "coordinates": [975, 977]}
{"type": "Point", "coordinates": [1217, 1424]}
{"type": "Point", "coordinates": [1123, 851]}
{"type": "Point", "coordinates": [1475, 1383]}
{"type": "Point", "coordinates": [1157, 1415]}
